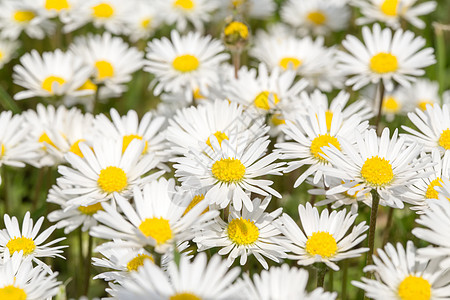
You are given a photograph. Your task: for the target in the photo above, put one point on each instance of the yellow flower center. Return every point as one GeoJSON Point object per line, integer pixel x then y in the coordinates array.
{"type": "Point", "coordinates": [112, 179]}
{"type": "Point", "coordinates": [431, 193]}
{"type": "Point", "coordinates": [317, 17]}
{"type": "Point", "coordinates": [75, 148]}
{"type": "Point", "coordinates": [44, 138]}
{"type": "Point", "coordinates": [262, 100]}
{"type": "Point", "coordinates": [278, 120]}
{"type": "Point", "coordinates": [88, 85]}
{"type": "Point", "coordinates": [185, 63]}
{"type": "Point", "coordinates": [56, 4]}
{"type": "Point", "coordinates": [383, 63]}
{"type": "Point", "coordinates": [391, 105]}
{"type": "Point", "coordinates": [389, 7]}
{"type": "Point", "coordinates": [444, 140]}
{"type": "Point", "coordinates": [242, 231]}
{"type": "Point", "coordinates": [127, 140]}
{"type": "Point", "coordinates": [198, 95]}
{"type": "Point", "coordinates": [18, 244]}
{"type": "Point", "coordinates": [228, 170]}
{"type": "Point", "coordinates": [414, 288]}
{"type": "Point", "coordinates": [377, 171]}
{"type": "Point", "coordinates": [290, 62]}
{"type": "Point", "coordinates": [321, 243]}
{"type": "Point", "coordinates": [194, 202]}
{"type": "Point", "coordinates": [90, 210]}
{"type": "Point", "coordinates": [48, 83]}
{"type": "Point", "coordinates": [145, 23]}
{"type": "Point", "coordinates": [220, 137]}
{"type": "Point", "coordinates": [104, 69]}
{"type": "Point", "coordinates": [355, 195]}
{"type": "Point", "coordinates": [3, 150]}
{"type": "Point", "coordinates": [138, 261]}
{"type": "Point", "coordinates": [102, 11]}
{"type": "Point", "coordinates": [24, 16]}
{"type": "Point", "coordinates": [238, 28]}
{"type": "Point", "coordinates": [323, 140]}
{"type": "Point", "coordinates": [156, 228]}
{"type": "Point", "coordinates": [423, 104]}
{"type": "Point", "coordinates": [184, 296]}
{"type": "Point", "coordinates": [1, 55]}
{"type": "Point", "coordinates": [184, 4]}
{"type": "Point", "coordinates": [11, 292]}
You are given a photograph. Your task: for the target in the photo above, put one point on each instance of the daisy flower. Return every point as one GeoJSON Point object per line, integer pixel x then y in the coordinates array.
{"type": "Point", "coordinates": [20, 280]}
{"type": "Point", "coordinates": [433, 128]}
{"type": "Point", "coordinates": [189, 61]}
{"type": "Point", "coordinates": [319, 17]}
{"type": "Point", "coordinates": [387, 165]}
{"type": "Point", "coordinates": [401, 274]}
{"type": "Point", "coordinates": [143, 22]}
{"type": "Point", "coordinates": [56, 8]}
{"type": "Point", "coordinates": [157, 219]}
{"type": "Point", "coordinates": [8, 49]}
{"type": "Point", "coordinates": [421, 93]}
{"type": "Point", "coordinates": [394, 103]}
{"type": "Point", "coordinates": [230, 169]}
{"type": "Point", "coordinates": [323, 237]}
{"type": "Point", "coordinates": [391, 12]}
{"type": "Point", "coordinates": [383, 57]}
{"type": "Point", "coordinates": [52, 74]}
{"type": "Point", "coordinates": [27, 240]}
{"type": "Point", "coordinates": [255, 9]}
{"type": "Point", "coordinates": [246, 233]}
{"type": "Point", "coordinates": [282, 283]}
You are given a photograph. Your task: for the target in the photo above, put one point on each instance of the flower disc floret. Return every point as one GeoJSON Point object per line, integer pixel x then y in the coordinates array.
{"type": "Point", "coordinates": [102, 11]}
{"type": "Point", "coordinates": [321, 243]}
{"type": "Point", "coordinates": [112, 179]}
{"type": "Point", "coordinates": [156, 228]}
{"type": "Point", "coordinates": [242, 231]}
{"type": "Point", "coordinates": [414, 288]}
{"type": "Point", "coordinates": [317, 17]}
{"type": "Point", "coordinates": [444, 139]}
{"type": "Point", "coordinates": [11, 292]}
{"type": "Point", "coordinates": [90, 210]}
{"type": "Point", "coordinates": [383, 63]}
{"type": "Point", "coordinates": [48, 82]}
{"type": "Point", "coordinates": [18, 244]}
{"type": "Point", "coordinates": [185, 63]}
{"type": "Point", "coordinates": [138, 261]}
{"type": "Point", "coordinates": [228, 170]}
{"type": "Point", "coordinates": [262, 100]}
{"type": "Point", "coordinates": [185, 296]}
{"type": "Point", "coordinates": [287, 62]}
{"type": "Point", "coordinates": [377, 171]}
{"type": "Point", "coordinates": [320, 141]}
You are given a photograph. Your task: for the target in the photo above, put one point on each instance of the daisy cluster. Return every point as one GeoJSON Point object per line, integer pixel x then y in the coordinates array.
{"type": "Point", "coordinates": [194, 149]}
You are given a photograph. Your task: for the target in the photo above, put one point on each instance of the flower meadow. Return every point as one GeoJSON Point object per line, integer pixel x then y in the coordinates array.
{"type": "Point", "coordinates": [224, 149]}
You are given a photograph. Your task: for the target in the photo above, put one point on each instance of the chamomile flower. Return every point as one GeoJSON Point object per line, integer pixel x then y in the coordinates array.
{"type": "Point", "coordinates": [231, 170]}
{"type": "Point", "coordinates": [7, 51]}
{"type": "Point", "coordinates": [27, 240]}
{"type": "Point", "coordinates": [52, 74]}
{"type": "Point", "coordinates": [20, 280]}
{"type": "Point", "coordinates": [245, 233]}
{"type": "Point", "coordinates": [319, 17]}
{"type": "Point", "coordinates": [433, 127]}
{"type": "Point", "coordinates": [143, 22]}
{"type": "Point", "coordinates": [384, 164]}
{"type": "Point", "coordinates": [391, 12]}
{"type": "Point", "coordinates": [384, 57]}
{"type": "Point", "coordinates": [197, 279]}
{"type": "Point", "coordinates": [282, 283]}
{"type": "Point", "coordinates": [401, 274]}
{"type": "Point", "coordinates": [421, 93]}
{"type": "Point", "coordinates": [307, 135]}
{"type": "Point", "coordinates": [157, 220]}
{"type": "Point", "coordinates": [190, 61]}
{"type": "Point", "coordinates": [324, 237]}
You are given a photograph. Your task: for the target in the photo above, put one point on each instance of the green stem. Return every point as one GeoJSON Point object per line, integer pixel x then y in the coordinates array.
{"type": "Point", "coordinates": [38, 187]}
{"type": "Point", "coordinates": [387, 229]}
{"type": "Point", "coordinates": [80, 262]}
{"type": "Point", "coordinates": [321, 271]}
{"type": "Point", "coordinates": [344, 279]}
{"type": "Point", "coordinates": [5, 190]}
{"type": "Point", "coordinates": [236, 57]}
{"type": "Point", "coordinates": [96, 98]}
{"type": "Point", "coordinates": [441, 57]}
{"type": "Point", "coordinates": [87, 267]}
{"type": "Point", "coordinates": [372, 228]}
{"type": "Point", "coordinates": [330, 281]}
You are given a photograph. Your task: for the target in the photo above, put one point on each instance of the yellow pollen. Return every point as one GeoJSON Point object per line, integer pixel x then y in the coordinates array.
{"type": "Point", "coordinates": [423, 104]}
{"type": "Point", "coordinates": [18, 244]}
{"type": "Point", "coordinates": [127, 140]}
{"type": "Point", "coordinates": [262, 100]}
{"type": "Point", "coordinates": [145, 23]}
{"type": "Point", "coordinates": [237, 28]}
{"type": "Point", "coordinates": [184, 4]}
{"type": "Point", "coordinates": [48, 83]}
{"type": "Point", "coordinates": [3, 150]}
{"type": "Point", "coordinates": [198, 95]}
{"type": "Point", "coordinates": [389, 7]}
{"type": "Point", "coordinates": [383, 63]}
{"type": "Point", "coordinates": [444, 140]}
{"type": "Point", "coordinates": [184, 296]}
{"type": "Point", "coordinates": [88, 85]}
{"type": "Point", "coordinates": [156, 228]}
{"type": "Point", "coordinates": [185, 63]}
{"type": "Point", "coordinates": [138, 261]}
{"type": "Point", "coordinates": [431, 193]}
{"type": "Point", "coordinates": [220, 137]}
{"type": "Point", "coordinates": [278, 120]}
{"type": "Point", "coordinates": [194, 202]}
{"type": "Point", "coordinates": [242, 232]}
{"type": "Point", "coordinates": [228, 170]}
{"type": "Point", "coordinates": [90, 210]}
{"type": "Point", "coordinates": [290, 62]}
{"type": "Point", "coordinates": [104, 69]}
{"type": "Point", "coordinates": [24, 16]}
{"type": "Point", "coordinates": [317, 17]}
{"type": "Point", "coordinates": [75, 148]}
{"type": "Point", "coordinates": [57, 4]}
{"type": "Point", "coordinates": [112, 179]}
{"type": "Point", "coordinates": [391, 105]}
{"type": "Point", "coordinates": [320, 141]}
{"type": "Point", "coordinates": [321, 243]}
{"type": "Point", "coordinates": [44, 138]}
{"type": "Point", "coordinates": [102, 10]}
{"type": "Point", "coordinates": [237, 3]}
{"type": "Point", "coordinates": [414, 288]}
{"type": "Point", "coordinates": [11, 292]}
{"type": "Point", "coordinates": [377, 171]}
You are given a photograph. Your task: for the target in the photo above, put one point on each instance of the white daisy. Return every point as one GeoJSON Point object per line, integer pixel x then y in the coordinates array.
{"type": "Point", "coordinates": [245, 233]}
{"type": "Point", "coordinates": [401, 274]}
{"type": "Point", "coordinates": [189, 61]}
{"type": "Point", "coordinates": [383, 57]}
{"type": "Point", "coordinates": [143, 22]}
{"type": "Point", "coordinates": [392, 12]}
{"type": "Point", "coordinates": [56, 8]}
{"type": "Point", "coordinates": [8, 50]}
{"type": "Point", "coordinates": [324, 237]}
{"type": "Point", "coordinates": [52, 74]}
